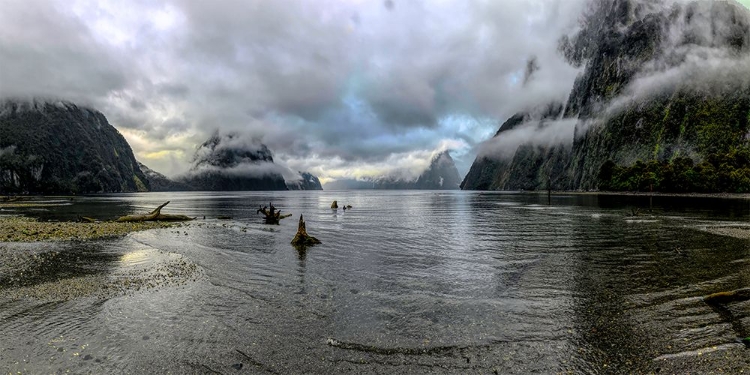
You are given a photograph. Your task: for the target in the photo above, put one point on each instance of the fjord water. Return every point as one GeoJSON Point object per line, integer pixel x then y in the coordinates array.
{"type": "Point", "coordinates": [404, 282]}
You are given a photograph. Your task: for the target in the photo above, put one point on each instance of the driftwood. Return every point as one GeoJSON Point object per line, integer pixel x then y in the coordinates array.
{"type": "Point", "coordinates": [724, 298]}
{"type": "Point", "coordinates": [302, 239]}
{"type": "Point", "coordinates": [719, 301]}
{"type": "Point", "coordinates": [154, 215]}
{"type": "Point", "coordinates": [272, 216]}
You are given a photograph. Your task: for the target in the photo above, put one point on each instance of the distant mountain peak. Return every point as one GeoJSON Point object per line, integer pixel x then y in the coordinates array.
{"type": "Point", "coordinates": [442, 174]}
{"type": "Point", "coordinates": [307, 182]}
{"type": "Point", "coordinates": [160, 182]}
{"type": "Point", "coordinates": [232, 161]}
{"type": "Point", "coordinates": [230, 150]}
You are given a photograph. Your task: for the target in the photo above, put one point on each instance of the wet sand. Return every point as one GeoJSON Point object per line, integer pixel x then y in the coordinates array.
{"type": "Point", "coordinates": [736, 231]}
{"type": "Point", "coordinates": [55, 268]}
{"type": "Point", "coordinates": [24, 229]}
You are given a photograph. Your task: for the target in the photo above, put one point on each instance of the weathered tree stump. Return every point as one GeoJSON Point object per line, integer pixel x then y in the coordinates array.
{"type": "Point", "coordinates": [155, 215]}
{"type": "Point", "coordinates": [302, 239]}
{"type": "Point", "coordinates": [272, 216]}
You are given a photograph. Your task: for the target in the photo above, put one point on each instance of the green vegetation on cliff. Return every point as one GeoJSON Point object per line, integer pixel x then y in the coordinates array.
{"type": "Point", "coordinates": [689, 142]}
{"type": "Point", "coordinates": [663, 104]}
{"type": "Point", "coordinates": [57, 147]}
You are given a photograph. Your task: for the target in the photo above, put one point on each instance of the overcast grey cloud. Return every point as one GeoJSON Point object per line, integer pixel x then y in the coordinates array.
{"type": "Point", "coordinates": [704, 48]}
{"type": "Point", "coordinates": [342, 88]}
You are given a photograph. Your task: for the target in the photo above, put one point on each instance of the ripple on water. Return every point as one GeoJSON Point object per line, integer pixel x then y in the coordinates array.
{"type": "Point", "coordinates": [406, 282]}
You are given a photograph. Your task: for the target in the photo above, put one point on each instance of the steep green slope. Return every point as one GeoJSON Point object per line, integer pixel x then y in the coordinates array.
{"type": "Point", "coordinates": [58, 147]}
{"type": "Point", "coordinates": [685, 142]}
{"type": "Point", "coordinates": [663, 103]}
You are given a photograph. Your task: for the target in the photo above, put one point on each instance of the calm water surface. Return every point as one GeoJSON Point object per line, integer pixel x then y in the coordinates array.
{"type": "Point", "coordinates": [405, 282]}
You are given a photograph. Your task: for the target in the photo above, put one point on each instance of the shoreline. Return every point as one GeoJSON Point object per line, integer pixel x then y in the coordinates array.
{"type": "Point", "coordinates": [743, 196]}
{"type": "Point", "coordinates": [26, 229]}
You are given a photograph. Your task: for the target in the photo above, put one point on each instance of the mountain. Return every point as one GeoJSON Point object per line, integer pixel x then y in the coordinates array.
{"type": "Point", "coordinates": [52, 147]}
{"type": "Point", "coordinates": [308, 182]}
{"type": "Point", "coordinates": [160, 182]}
{"type": "Point", "coordinates": [230, 162]}
{"type": "Point", "coordinates": [662, 103]}
{"type": "Point", "coordinates": [442, 174]}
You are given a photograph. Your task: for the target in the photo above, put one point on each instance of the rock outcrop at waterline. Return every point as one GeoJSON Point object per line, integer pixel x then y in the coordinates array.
{"type": "Point", "coordinates": [49, 147]}
{"type": "Point", "coordinates": [663, 103]}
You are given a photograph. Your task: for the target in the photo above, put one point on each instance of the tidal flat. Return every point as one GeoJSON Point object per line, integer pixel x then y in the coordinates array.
{"type": "Point", "coordinates": [26, 229]}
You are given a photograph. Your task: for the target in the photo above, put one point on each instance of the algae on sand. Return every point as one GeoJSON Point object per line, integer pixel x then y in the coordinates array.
{"type": "Point", "coordinates": [23, 229]}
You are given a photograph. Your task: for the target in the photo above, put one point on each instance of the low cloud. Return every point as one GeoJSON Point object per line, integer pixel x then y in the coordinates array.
{"type": "Point", "coordinates": [255, 170]}
{"type": "Point", "coordinates": [350, 86]}
{"type": "Point", "coordinates": [533, 133]}
{"type": "Point", "coordinates": [706, 48]}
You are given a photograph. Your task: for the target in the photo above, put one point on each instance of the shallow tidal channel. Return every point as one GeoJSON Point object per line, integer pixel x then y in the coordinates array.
{"type": "Point", "coordinates": [404, 282]}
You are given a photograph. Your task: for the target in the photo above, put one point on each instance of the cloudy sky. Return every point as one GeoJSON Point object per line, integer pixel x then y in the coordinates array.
{"type": "Point", "coordinates": [340, 88]}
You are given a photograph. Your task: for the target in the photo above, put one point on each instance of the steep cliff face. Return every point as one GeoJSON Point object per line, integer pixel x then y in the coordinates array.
{"type": "Point", "coordinates": [308, 182]}
{"type": "Point", "coordinates": [58, 147]}
{"type": "Point", "coordinates": [663, 103]}
{"type": "Point", "coordinates": [230, 162]}
{"type": "Point", "coordinates": [524, 166]}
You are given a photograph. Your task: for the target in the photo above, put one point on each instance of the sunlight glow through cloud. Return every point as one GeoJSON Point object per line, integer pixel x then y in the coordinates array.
{"type": "Point", "coordinates": [336, 87]}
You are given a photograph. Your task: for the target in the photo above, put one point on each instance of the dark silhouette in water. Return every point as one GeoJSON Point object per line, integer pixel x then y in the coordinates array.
{"type": "Point", "coordinates": [272, 216]}
{"type": "Point", "coordinates": [302, 239]}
